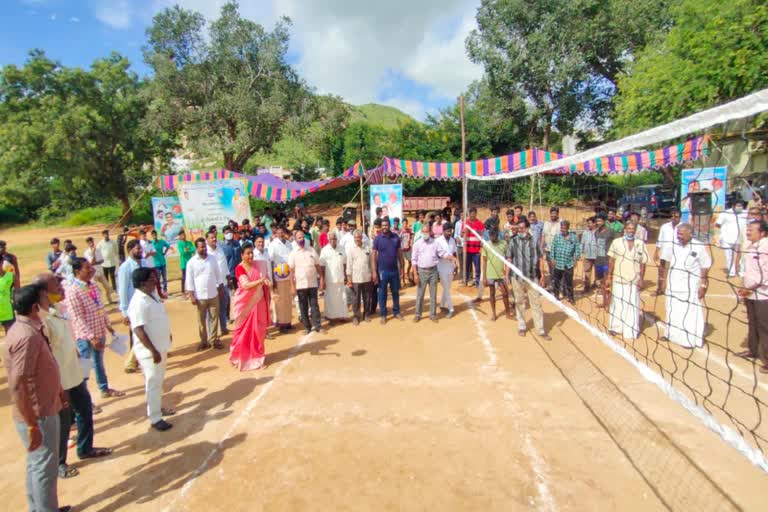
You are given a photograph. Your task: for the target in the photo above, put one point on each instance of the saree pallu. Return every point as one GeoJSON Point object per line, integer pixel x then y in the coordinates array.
{"type": "Point", "coordinates": [250, 309]}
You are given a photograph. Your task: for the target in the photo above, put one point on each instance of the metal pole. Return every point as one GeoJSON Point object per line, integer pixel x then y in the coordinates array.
{"type": "Point", "coordinates": [464, 198]}
{"type": "Point", "coordinates": [362, 205]}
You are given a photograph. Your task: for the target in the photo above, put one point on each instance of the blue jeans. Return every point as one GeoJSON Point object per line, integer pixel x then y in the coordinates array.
{"type": "Point", "coordinates": [392, 279]}
{"type": "Point", "coordinates": [163, 271]}
{"type": "Point", "coordinates": [473, 260]}
{"type": "Point", "coordinates": [86, 350]}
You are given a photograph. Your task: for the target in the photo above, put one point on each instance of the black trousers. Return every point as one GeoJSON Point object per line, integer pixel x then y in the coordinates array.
{"type": "Point", "coordinates": [362, 292]}
{"type": "Point", "coordinates": [80, 407]}
{"type": "Point", "coordinates": [109, 272]}
{"type": "Point", "coordinates": [757, 335]}
{"type": "Point", "coordinates": [563, 281]}
{"type": "Point", "coordinates": [308, 306]}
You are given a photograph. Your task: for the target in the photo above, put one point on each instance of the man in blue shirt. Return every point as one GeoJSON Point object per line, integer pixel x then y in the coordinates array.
{"type": "Point", "coordinates": [125, 292]}
{"type": "Point", "coordinates": [387, 265]}
{"type": "Point", "coordinates": [233, 252]}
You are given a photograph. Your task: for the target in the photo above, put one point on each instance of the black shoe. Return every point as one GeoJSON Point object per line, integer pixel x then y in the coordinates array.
{"type": "Point", "coordinates": [65, 508]}
{"type": "Point", "coordinates": [307, 330]}
{"type": "Point", "coordinates": [162, 426]}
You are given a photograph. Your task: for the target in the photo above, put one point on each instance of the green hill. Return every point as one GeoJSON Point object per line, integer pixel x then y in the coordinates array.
{"type": "Point", "coordinates": [378, 115]}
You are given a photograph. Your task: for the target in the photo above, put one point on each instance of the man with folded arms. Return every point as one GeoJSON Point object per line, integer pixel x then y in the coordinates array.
{"type": "Point", "coordinates": [35, 387]}
{"type": "Point", "coordinates": [204, 286]}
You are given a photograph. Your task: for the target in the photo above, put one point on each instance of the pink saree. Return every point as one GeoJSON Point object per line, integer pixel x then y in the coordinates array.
{"type": "Point", "coordinates": [250, 312]}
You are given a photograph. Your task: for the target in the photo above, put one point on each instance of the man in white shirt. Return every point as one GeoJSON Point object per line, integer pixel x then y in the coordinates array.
{"type": "Point", "coordinates": [204, 284]}
{"type": "Point", "coordinates": [147, 251]}
{"type": "Point", "coordinates": [732, 224]}
{"type": "Point", "coordinates": [305, 268]}
{"type": "Point", "coordinates": [688, 263]}
{"type": "Point", "coordinates": [150, 324]}
{"type": "Point", "coordinates": [446, 266]}
{"type": "Point", "coordinates": [667, 237]}
{"type": "Point", "coordinates": [109, 252]}
{"type": "Point", "coordinates": [221, 260]}
{"type": "Point", "coordinates": [458, 228]}
{"type": "Point", "coordinates": [94, 257]}
{"type": "Point", "coordinates": [332, 262]}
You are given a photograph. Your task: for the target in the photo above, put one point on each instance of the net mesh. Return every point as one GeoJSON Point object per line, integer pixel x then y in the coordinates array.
{"type": "Point", "coordinates": [650, 306]}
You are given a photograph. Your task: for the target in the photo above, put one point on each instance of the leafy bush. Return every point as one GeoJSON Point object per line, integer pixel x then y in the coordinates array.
{"type": "Point", "coordinates": [12, 216]}
{"type": "Point", "coordinates": [94, 215]}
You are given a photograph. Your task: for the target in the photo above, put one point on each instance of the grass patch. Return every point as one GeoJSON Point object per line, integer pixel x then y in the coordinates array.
{"type": "Point", "coordinates": [94, 215]}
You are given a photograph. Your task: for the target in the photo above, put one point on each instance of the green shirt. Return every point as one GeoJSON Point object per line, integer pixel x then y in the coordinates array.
{"type": "Point", "coordinates": [160, 246]}
{"type": "Point", "coordinates": [495, 266]}
{"type": "Point", "coordinates": [615, 226]}
{"type": "Point", "coordinates": [186, 251]}
{"type": "Point", "coordinates": [6, 284]}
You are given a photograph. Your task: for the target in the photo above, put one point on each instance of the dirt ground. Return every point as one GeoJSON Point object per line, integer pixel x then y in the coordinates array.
{"type": "Point", "coordinates": [460, 415]}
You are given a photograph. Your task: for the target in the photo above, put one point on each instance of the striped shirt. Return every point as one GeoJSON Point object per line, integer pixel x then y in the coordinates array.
{"type": "Point", "coordinates": [474, 242]}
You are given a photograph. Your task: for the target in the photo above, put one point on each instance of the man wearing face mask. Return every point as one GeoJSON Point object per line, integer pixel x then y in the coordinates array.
{"type": "Point", "coordinates": [233, 253]}
{"type": "Point", "coordinates": [626, 269]}
{"type": "Point", "coordinates": [62, 344]}
{"type": "Point", "coordinates": [35, 388]}
{"type": "Point", "coordinates": [425, 260]}
{"type": "Point", "coordinates": [753, 214]}
{"type": "Point", "coordinates": [387, 268]}
{"type": "Point", "coordinates": [220, 257]}
{"type": "Point", "coordinates": [732, 224]}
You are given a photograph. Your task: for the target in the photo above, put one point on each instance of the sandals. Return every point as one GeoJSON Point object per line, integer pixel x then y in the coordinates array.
{"type": "Point", "coordinates": [96, 453]}
{"type": "Point", "coordinates": [68, 471]}
{"type": "Point", "coordinates": [96, 409]}
{"type": "Point", "coordinates": [167, 411]}
{"type": "Point", "coordinates": [112, 393]}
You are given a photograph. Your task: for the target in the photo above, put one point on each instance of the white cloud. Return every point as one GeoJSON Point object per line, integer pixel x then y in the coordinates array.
{"type": "Point", "coordinates": [359, 50]}
{"type": "Point", "coordinates": [115, 13]}
{"type": "Point", "coordinates": [74, 19]}
{"type": "Point", "coordinates": [52, 17]}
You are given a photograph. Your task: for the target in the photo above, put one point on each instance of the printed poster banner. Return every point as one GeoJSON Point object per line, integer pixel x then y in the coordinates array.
{"type": "Point", "coordinates": [389, 198]}
{"type": "Point", "coordinates": [711, 179]}
{"type": "Point", "coordinates": [213, 203]}
{"type": "Point", "coordinates": [168, 220]}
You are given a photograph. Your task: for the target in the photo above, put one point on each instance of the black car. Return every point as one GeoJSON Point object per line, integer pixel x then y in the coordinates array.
{"type": "Point", "coordinates": [648, 200]}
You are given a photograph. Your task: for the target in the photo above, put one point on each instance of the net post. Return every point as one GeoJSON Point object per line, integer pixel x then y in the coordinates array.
{"type": "Point", "coordinates": [464, 199]}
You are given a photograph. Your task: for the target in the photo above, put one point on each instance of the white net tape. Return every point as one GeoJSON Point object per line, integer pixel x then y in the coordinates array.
{"type": "Point", "coordinates": [738, 109]}
{"type": "Point", "coordinates": [729, 435]}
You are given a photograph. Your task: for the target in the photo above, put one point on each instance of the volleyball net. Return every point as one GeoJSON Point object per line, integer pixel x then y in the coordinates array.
{"type": "Point", "coordinates": [671, 309]}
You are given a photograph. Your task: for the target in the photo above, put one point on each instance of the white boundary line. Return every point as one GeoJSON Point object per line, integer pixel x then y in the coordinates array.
{"type": "Point", "coordinates": [244, 414]}
{"type": "Point", "coordinates": [743, 107]}
{"type": "Point", "coordinates": [728, 434]}
{"type": "Point", "coordinates": [538, 464]}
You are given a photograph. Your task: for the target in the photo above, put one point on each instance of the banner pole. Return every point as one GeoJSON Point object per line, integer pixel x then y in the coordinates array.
{"type": "Point", "coordinates": [464, 199]}
{"type": "Point", "coordinates": [362, 204]}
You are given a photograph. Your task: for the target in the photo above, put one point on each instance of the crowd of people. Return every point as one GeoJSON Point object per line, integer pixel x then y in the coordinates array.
{"type": "Point", "coordinates": [249, 278]}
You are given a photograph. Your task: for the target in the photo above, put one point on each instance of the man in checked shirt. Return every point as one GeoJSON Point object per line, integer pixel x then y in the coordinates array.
{"type": "Point", "coordinates": [89, 321]}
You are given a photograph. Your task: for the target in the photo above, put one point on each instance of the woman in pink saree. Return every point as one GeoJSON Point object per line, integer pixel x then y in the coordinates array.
{"type": "Point", "coordinates": [250, 312]}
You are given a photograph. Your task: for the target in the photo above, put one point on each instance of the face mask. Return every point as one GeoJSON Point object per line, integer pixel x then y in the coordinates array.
{"type": "Point", "coordinates": [738, 209]}
{"type": "Point", "coordinates": [55, 297]}
{"type": "Point", "coordinates": [229, 236]}
{"type": "Point", "coordinates": [629, 237]}
{"type": "Point", "coordinates": [301, 242]}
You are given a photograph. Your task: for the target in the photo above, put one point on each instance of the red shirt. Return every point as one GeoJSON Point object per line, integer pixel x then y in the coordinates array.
{"type": "Point", "coordinates": [473, 242]}
{"type": "Point", "coordinates": [323, 240]}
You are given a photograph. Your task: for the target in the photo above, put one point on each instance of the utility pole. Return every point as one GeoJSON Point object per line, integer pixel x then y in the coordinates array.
{"type": "Point", "coordinates": [464, 199]}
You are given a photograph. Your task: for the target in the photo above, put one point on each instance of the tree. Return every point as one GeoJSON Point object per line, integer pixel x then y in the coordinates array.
{"type": "Point", "coordinates": [74, 137]}
{"type": "Point", "coordinates": [528, 55]}
{"type": "Point", "coordinates": [716, 52]}
{"type": "Point", "coordinates": [231, 92]}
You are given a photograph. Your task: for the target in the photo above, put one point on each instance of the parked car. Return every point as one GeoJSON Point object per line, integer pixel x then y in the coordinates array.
{"type": "Point", "coordinates": [648, 200]}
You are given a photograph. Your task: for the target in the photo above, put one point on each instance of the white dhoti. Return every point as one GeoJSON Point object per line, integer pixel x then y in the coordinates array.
{"type": "Point", "coordinates": [335, 303]}
{"type": "Point", "coordinates": [685, 318]}
{"type": "Point", "coordinates": [446, 278]}
{"type": "Point", "coordinates": [625, 309]}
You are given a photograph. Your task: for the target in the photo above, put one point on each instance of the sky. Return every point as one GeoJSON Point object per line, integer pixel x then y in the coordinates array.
{"type": "Point", "coordinates": [409, 54]}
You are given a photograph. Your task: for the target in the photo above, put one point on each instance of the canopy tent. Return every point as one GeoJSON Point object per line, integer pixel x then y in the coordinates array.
{"type": "Point", "coordinates": [272, 188]}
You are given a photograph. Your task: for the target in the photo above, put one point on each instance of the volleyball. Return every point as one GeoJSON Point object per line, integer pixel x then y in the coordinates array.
{"type": "Point", "coordinates": [282, 270]}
